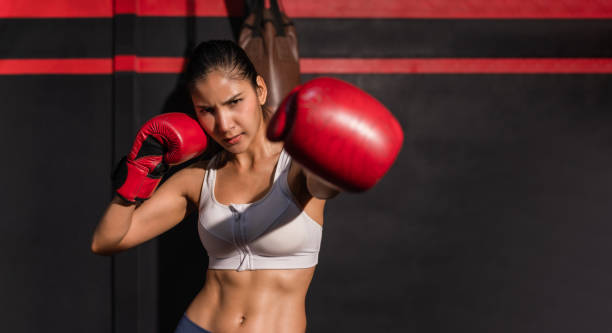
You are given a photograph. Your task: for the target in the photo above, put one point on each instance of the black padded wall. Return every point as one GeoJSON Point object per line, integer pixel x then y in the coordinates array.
{"type": "Point", "coordinates": [56, 132]}
{"type": "Point", "coordinates": [494, 218]}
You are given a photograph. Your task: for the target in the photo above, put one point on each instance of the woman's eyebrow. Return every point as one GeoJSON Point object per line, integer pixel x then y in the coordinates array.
{"type": "Point", "coordinates": [204, 106]}
{"type": "Point", "coordinates": [232, 98]}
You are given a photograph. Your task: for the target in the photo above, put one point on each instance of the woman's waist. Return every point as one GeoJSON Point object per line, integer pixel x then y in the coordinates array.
{"type": "Point", "coordinates": [252, 301]}
{"type": "Point", "coordinates": [228, 319]}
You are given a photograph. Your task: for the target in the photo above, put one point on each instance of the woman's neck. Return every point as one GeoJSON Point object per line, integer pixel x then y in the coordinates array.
{"type": "Point", "coordinates": [260, 149]}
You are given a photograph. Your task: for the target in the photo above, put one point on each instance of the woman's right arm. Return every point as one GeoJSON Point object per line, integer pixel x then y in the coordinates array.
{"type": "Point", "coordinates": [125, 225]}
{"type": "Point", "coordinates": [166, 139]}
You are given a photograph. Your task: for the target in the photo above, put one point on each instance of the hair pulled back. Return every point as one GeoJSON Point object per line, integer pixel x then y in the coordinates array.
{"type": "Point", "coordinates": [224, 55]}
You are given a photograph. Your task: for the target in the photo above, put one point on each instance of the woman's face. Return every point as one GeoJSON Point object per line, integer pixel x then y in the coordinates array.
{"type": "Point", "coordinates": [229, 109]}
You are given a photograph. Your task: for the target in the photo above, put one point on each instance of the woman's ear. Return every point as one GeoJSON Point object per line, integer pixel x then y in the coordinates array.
{"type": "Point", "coordinates": [262, 90]}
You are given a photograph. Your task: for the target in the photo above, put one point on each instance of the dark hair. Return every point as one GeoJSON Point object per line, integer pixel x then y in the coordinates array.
{"type": "Point", "coordinates": [219, 55]}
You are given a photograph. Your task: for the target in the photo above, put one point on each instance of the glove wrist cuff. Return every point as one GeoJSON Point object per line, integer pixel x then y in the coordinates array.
{"type": "Point", "coordinates": [137, 185]}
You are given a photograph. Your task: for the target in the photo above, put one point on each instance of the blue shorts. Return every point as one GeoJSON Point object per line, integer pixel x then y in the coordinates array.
{"type": "Point", "coordinates": [187, 326]}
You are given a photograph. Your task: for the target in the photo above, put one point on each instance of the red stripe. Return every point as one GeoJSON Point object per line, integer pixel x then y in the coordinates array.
{"type": "Point", "coordinates": [213, 8]}
{"type": "Point", "coordinates": [56, 66]}
{"type": "Point", "coordinates": [173, 65]}
{"type": "Point", "coordinates": [450, 8]}
{"type": "Point", "coordinates": [55, 8]}
{"type": "Point", "coordinates": [535, 9]}
{"type": "Point", "coordinates": [125, 63]}
{"type": "Point", "coordinates": [454, 65]}
{"type": "Point", "coordinates": [131, 63]}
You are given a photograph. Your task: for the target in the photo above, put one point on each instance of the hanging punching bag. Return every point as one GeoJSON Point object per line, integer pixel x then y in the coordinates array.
{"type": "Point", "coordinates": [270, 40]}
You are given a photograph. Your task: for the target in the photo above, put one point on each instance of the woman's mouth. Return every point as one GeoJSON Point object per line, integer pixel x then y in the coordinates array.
{"type": "Point", "coordinates": [234, 139]}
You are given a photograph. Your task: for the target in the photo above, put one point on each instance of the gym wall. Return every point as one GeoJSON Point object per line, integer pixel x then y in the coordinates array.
{"type": "Point", "coordinates": [494, 218]}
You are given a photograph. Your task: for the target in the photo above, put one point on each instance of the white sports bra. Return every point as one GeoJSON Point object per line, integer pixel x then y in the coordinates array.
{"type": "Point", "coordinates": [270, 233]}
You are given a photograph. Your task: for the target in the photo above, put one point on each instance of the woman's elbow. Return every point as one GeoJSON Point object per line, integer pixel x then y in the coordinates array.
{"type": "Point", "coordinates": [97, 248]}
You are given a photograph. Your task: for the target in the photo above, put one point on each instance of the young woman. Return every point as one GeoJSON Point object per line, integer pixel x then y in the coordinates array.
{"type": "Point", "coordinates": [260, 213]}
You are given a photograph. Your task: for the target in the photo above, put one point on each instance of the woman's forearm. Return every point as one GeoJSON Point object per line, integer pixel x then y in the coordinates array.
{"type": "Point", "coordinates": [320, 188]}
{"type": "Point", "coordinates": [113, 226]}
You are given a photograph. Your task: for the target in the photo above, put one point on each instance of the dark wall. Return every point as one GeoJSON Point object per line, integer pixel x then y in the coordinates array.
{"type": "Point", "coordinates": [493, 219]}
{"type": "Point", "coordinates": [56, 134]}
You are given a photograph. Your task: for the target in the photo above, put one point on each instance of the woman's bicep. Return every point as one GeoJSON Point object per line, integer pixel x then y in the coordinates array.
{"type": "Point", "coordinates": [315, 186]}
{"type": "Point", "coordinates": [168, 206]}
{"type": "Point", "coordinates": [309, 203]}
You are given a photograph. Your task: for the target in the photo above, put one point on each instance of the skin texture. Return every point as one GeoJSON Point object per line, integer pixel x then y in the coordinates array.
{"type": "Point", "coordinates": [230, 301]}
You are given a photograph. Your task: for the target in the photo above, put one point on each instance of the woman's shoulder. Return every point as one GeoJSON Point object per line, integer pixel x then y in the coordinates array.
{"type": "Point", "coordinates": [188, 179]}
{"type": "Point", "coordinates": [194, 171]}
{"type": "Point", "coordinates": [201, 164]}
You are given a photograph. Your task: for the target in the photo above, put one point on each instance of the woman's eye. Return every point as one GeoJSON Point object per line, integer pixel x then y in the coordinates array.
{"type": "Point", "coordinates": [235, 101]}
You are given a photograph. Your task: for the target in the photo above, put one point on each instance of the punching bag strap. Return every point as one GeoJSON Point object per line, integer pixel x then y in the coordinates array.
{"type": "Point", "coordinates": [277, 18]}
{"type": "Point", "coordinates": [255, 8]}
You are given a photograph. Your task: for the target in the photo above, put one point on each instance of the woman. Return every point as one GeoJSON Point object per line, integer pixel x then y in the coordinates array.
{"type": "Point", "coordinates": [227, 95]}
{"type": "Point", "coordinates": [260, 214]}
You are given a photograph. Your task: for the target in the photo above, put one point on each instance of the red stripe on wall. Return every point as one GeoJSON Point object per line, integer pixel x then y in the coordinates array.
{"type": "Point", "coordinates": [535, 9]}
{"type": "Point", "coordinates": [131, 63]}
{"type": "Point", "coordinates": [450, 8]}
{"type": "Point", "coordinates": [125, 63]}
{"type": "Point", "coordinates": [213, 8]}
{"type": "Point", "coordinates": [173, 65]}
{"type": "Point", "coordinates": [56, 66]}
{"type": "Point", "coordinates": [55, 8]}
{"type": "Point", "coordinates": [454, 65]}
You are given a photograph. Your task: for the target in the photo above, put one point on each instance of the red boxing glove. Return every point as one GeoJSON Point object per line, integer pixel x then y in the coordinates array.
{"type": "Point", "coordinates": [338, 132]}
{"type": "Point", "coordinates": [164, 140]}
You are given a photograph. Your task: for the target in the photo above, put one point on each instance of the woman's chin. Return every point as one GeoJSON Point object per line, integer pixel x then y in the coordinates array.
{"type": "Point", "coordinates": [235, 149]}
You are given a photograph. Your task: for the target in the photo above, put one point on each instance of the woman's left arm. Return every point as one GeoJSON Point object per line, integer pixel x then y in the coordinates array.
{"type": "Point", "coordinates": [318, 187]}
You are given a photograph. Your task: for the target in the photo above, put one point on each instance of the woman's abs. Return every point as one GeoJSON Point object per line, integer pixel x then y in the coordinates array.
{"type": "Point", "coordinates": [252, 301]}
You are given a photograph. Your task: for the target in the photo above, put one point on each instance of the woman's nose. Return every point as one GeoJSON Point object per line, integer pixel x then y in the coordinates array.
{"type": "Point", "coordinates": [224, 121]}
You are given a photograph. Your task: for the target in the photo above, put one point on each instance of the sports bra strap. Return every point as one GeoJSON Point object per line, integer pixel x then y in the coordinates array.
{"type": "Point", "coordinates": [283, 163]}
